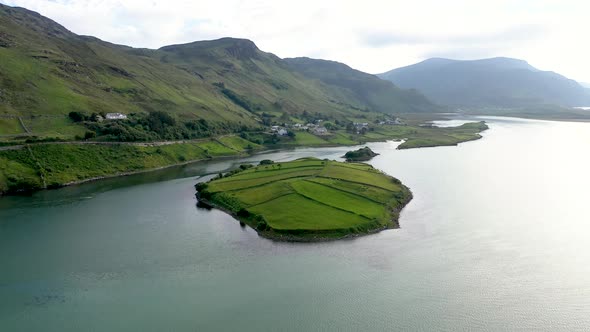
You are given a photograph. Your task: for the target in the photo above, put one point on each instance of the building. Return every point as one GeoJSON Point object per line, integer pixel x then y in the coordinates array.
{"type": "Point", "coordinates": [320, 131]}
{"type": "Point", "coordinates": [282, 132]}
{"type": "Point", "coordinates": [116, 116]}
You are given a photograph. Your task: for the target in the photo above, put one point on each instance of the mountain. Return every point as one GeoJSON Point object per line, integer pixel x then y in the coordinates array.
{"type": "Point", "coordinates": [378, 94]}
{"type": "Point", "coordinates": [496, 82]}
{"type": "Point", "coordinates": [47, 72]}
{"type": "Point", "coordinates": [585, 84]}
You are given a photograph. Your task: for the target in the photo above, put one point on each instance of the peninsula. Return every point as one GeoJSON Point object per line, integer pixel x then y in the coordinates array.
{"type": "Point", "coordinates": [308, 199]}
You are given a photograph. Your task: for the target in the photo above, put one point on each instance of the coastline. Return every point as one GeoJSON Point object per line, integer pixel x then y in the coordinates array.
{"type": "Point", "coordinates": [219, 157]}
{"type": "Point", "coordinates": [317, 236]}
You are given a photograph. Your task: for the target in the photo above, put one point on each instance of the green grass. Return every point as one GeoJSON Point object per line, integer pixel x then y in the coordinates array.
{"type": "Point", "coordinates": [10, 126]}
{"type": "Point", "coordinates": [370, 192]}
{"type": "Point", "coordinates": [39, 166]}
{"type": "Point", "coordinates": [430, 137]}
{"type": "Point", "coordinates": [349, 173]}
{"type": "Point", "coordinates": [237, 143]}
{"type": "Point", "coordinates": [309, 198]}
{"type": "Point", "coordinates": [307, 139]}
{"type": "Point", "coordinates": [341, 200]}
{"type": "Point", "coordinates": [295, 212]}
{"type": "Point", "coordinates": [213, 148]}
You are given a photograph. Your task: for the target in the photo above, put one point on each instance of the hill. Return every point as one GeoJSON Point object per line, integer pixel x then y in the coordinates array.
{"type": "Point", "coordinates": [206, 88]}
{"type": "Point", "coordinates": [496, 82]}
{"type": "Point", "coordinates": [378, 94]}
{"type": "Point", "coordinates": [308, 199]}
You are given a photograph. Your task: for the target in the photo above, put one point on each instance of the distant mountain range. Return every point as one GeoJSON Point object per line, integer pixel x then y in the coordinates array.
{"type": "Point", "coordinates": [46, 71]}
{"type": "Point", "coordinates": [496, 82]}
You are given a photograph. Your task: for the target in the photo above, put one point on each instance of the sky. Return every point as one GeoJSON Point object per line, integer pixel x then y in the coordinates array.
{"type": "Point", "coordinates": [372, 36]}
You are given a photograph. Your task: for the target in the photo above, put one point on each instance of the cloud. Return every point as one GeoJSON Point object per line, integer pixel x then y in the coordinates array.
{"type": "Point", "coordinates": [521, 33]}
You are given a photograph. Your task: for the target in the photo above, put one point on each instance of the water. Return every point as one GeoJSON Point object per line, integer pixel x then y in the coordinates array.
{"type": "Point", "coordinates": [496, 238]}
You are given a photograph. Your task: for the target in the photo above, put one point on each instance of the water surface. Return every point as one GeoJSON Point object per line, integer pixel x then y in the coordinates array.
{"type": "Point", "coordinates": [494, 239]}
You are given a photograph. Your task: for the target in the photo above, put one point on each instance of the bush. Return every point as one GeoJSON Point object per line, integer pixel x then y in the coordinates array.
{"type": "Point", "coordinates": [243, 213]}
{"type": "Point", "coordinates": [201, 186]}
{"type": "Point", "coordinates": [261, 225]}
{"type": "Point", "coordinates": [77, 116]}
{"type": "Point", "coordinates": [266, 162]}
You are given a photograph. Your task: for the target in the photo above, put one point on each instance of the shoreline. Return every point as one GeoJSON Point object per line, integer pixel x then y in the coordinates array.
{"type": "Point", "coordinates": [237, 155]}
{"type": "Point", "coordinates": [312, 237]}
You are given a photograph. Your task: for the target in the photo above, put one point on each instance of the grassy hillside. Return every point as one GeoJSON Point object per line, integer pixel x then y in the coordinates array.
{"type": "Point", "coordinates": [40, 166]}
{"type": "Point", "coordinates": [496, 82]}
{"type": "Point", "coordinates": [378, 94]}
{"type": "Point", "coordinates": [208, 88]}
{"type": "Point", "coordinates": [309, 199]}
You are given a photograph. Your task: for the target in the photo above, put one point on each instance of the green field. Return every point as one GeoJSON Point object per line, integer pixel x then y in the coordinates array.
{"type": "Point", "coordinates": [309, 199]}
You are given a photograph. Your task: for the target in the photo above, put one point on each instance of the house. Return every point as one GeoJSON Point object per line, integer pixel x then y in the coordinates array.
{"type": "Point", "coordinates": [275, 129]}
{"type": "Point", "coordinates": [320, 131]}
{"type": "Point", "coordinates": [394, 122]}
{"type": "Point", "coordinates": [282, 132]}
{"type": "Point", "coordinates": [116, 116]}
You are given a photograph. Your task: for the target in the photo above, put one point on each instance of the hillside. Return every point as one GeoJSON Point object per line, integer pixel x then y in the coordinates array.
{"type": "Point", "coordinates": [378, 94]}
{"type": "Point", "coordinates": [207, 88]}
{"type": "Point", "coordinates": [496, 82]}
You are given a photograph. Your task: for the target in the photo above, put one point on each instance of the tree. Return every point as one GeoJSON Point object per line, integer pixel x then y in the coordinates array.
{"type": "Point", "coordinates": [77, 116]}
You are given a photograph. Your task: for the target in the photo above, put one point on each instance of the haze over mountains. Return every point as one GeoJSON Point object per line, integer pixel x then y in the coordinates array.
{"type": "Point", "coordinates": [47, 70]}
{"type": "Point", "coordinates": [495, 82]}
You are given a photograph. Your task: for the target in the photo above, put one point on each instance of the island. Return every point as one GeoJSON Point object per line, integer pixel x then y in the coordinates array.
{"type": "Point", "coordinates": [362, 154]}
{"type": "Point", "coordinates": [308, 199]}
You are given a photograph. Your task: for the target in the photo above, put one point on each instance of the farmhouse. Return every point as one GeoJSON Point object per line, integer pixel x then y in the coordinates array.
{"type": "Point", "coordinates": [320, 131]}
{"type": "Point", "coordinates": [116, 116]}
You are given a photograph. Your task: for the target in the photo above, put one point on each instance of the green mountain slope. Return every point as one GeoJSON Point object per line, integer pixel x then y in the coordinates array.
{"type": "Point", "coordinates": [497, 82]}
{"type": "Point", "coordinates": [212, 87]}
{"type": "Point", "coordinates": [378, 94]}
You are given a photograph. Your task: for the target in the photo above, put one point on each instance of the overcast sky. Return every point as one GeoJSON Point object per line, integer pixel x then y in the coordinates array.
{"type": "Point", "coordinates": [373, 36]}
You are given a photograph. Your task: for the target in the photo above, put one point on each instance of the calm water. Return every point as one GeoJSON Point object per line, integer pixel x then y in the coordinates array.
{"type": "Point", "coordinates": [496, 238]}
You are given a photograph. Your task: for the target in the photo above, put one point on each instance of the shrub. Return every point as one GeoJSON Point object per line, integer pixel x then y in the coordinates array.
{"type": "Point", "coordinates": [77, 116]}
{"type": "Point", "coordinates": [201, 186]}
{"type": "Point", "coordinates": [243, 213]}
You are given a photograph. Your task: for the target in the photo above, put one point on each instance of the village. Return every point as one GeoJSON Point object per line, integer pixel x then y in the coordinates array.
{"type": "Point", "coordinates": [319, 129]}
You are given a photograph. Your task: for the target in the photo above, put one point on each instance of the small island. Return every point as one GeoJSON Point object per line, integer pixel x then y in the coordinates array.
{"type": "Point", "coordinates": [362, 154]}
{"type": "Point", "coordinates": [308, 199]}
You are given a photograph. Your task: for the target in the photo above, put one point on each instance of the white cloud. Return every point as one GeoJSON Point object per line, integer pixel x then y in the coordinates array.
{"type": "Point", "coordinates": [373, 36]}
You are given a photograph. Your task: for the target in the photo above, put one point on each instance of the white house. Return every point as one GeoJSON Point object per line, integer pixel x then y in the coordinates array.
{"type": "Point", "coordinates": [116, 116]}
{"type": "Point", "coordinates": [282, 132]}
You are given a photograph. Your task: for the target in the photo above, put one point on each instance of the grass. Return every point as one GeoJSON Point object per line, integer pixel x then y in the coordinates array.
{"type": "Point", "coordinates": [39, 166]}
{"type": "Point", "coordinates": [430, 137]}
{"type": "Point", "coordinates": [10, 126]}
{"type": "Point", "coordinates": [309, 199]}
